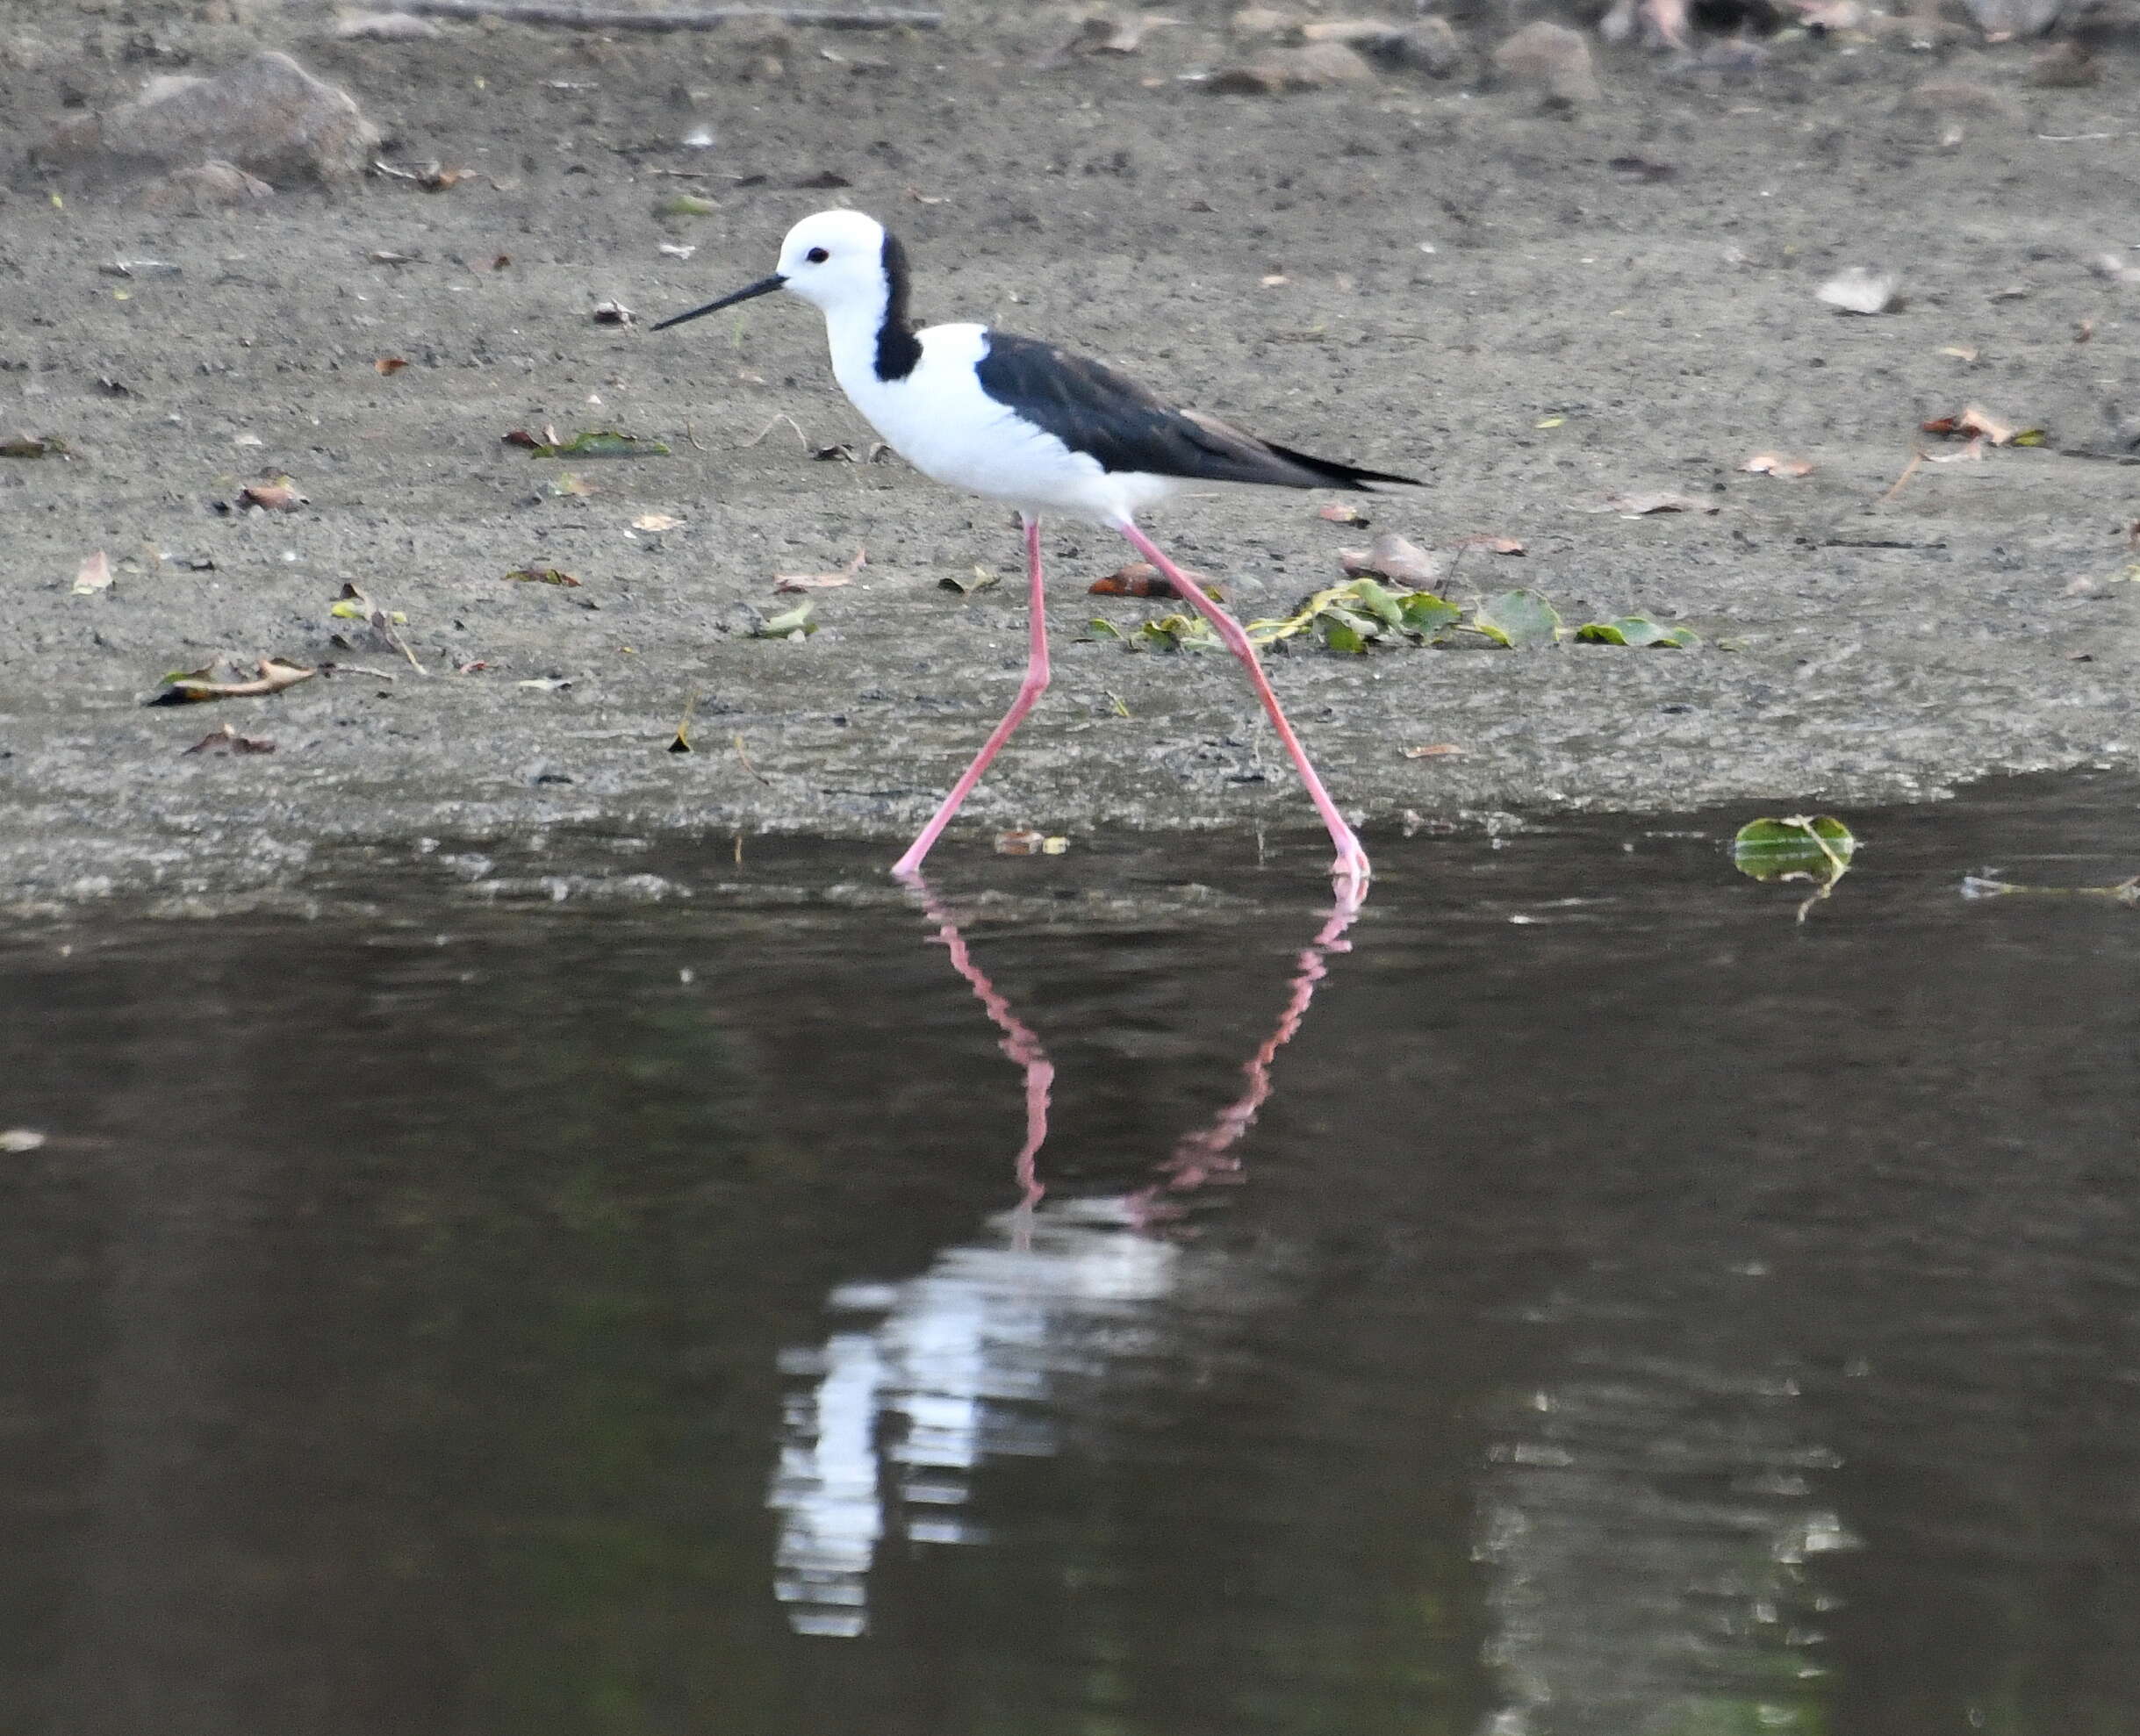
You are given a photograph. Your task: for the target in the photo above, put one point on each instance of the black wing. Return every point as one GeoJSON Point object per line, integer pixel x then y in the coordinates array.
{"type": "Point", "coordinates": [1091, 408]}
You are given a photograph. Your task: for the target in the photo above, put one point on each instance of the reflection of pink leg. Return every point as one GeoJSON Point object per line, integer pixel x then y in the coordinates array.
{"type": "Point", "coordinates": [1207, 1155]}
{"type": "Point", "coordinates": [1352, 862]}
{"type": "Point", "coordinates": [1019, 1043]}
{"type": "Point", "coordinates": [1030, 689]}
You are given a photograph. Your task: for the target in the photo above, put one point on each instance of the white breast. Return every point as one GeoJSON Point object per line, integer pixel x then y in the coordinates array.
{"type": "Point", "coordinates": [940, 420]}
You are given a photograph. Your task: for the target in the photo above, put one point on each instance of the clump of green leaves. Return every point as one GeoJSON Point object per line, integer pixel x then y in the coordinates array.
{"type": "Point", "coordinates": [1638, 630]}
{"type": "Point", "coordinates": [1809, 849]}
{"type": "Point", "coordinates": [793, 623]}
{"type": "Point", "coordinates": [1355, 617]}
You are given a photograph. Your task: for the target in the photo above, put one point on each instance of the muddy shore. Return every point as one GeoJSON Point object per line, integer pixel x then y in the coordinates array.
{"type": "Point", "coordinates": [1533, 310]}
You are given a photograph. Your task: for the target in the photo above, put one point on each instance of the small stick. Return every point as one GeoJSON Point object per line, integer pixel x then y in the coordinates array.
{"type": "Point", "coordinates": [745, 758]}
{"type": "Point", "coordinates": [699, 17]}
{"type": "Point", "coordinates": [1908, 470]}
{"type": "Point", "coordinates": [802, 438]}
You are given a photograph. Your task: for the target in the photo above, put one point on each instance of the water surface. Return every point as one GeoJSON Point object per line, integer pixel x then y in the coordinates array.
{"type": "Point", "coordinates": [1121, 1299]}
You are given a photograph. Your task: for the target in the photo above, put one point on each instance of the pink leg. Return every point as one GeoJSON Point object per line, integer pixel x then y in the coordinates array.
{"type": "Point", "coordinates": [1352, 862]}
{"type": "Point", "coordinates": [1030, 689]}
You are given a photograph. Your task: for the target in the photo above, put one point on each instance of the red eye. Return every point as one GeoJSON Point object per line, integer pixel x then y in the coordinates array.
{"type": "Point", "coordinates": [818, 255]}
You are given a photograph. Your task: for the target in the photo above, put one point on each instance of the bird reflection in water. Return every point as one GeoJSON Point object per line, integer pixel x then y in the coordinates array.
{"type": "Point", "coordinates": [942, 1371]}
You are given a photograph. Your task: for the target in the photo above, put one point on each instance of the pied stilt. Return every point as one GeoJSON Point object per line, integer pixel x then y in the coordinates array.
{"type": "Point", "coordinates": [1023, 421]}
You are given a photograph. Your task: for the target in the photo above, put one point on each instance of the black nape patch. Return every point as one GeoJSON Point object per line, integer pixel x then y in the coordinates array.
{"type": "Point", "coordinates": [898, 352]}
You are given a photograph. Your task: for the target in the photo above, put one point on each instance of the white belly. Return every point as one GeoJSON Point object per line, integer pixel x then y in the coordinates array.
{"type": "Point", "coordinates": [940, 421]}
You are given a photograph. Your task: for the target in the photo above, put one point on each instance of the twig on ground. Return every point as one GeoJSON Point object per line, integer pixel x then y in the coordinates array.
{"type": "Point", "coordinates": [1908, 470]}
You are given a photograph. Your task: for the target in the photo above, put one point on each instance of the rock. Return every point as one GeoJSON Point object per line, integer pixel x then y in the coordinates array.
{"type": "Point", "coordinates": [2067, 67]}
{"type": "Point", "coordinates": [1552, 58]}
{"type": "Point", "coordinates": [267, 115]}
{"type": "Point", "coordinates": [1860, 290]}
{"type": "Point", "coordinates": [213, 185]}
{"type": "Point", "coordinates": [384, 27]}
{"type": "Point", "coordinates": [1430, 45]}
{"type": "Point", "coordinates": [1311, 67]}
{"type": "Point", "coordinates": [2002, 20]}
{"type": "Point", "coordinates": [25, 52]}
{"type": "Point", "coordinates": [1264, 21]}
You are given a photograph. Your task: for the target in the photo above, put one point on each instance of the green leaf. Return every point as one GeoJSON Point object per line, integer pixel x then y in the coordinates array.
{"type": "Point", "coordinates": [1345, 632]}
{"type": "Point", "coordinates": [1423, 612]}
{"type": "Point", "coordinates": [1518, 618]}
{"type": "Point", "coordinates": [684, 204]}
{"type": "Point", "coordinates": [1179, 632]}
{"type": "Point", "coordinates": [1373, 600]}
{"type": "Point", "coordinates": [1106, 630]}
{"type": "Point", "coordinates": [603, 443]}
{"type": "Point", "coordinates": [1637, 630]}
{"type": "Point", "coordinates": [787, 625]}
{"type": "Point", "coordinates": [1806, 846]}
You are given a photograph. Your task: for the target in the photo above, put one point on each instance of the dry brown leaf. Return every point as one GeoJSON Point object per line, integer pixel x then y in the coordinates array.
{"type": "Point", "coordinates": [1960, 352]}
{"type": "Point", "coordinates": [656, 521]}
{"type": "Point", "coordinates": [822, 581]}
{"type": "Point", "coordinates": [93, 575]}
{"type": "Point", "coordinates": [1020, 841]}
{"type": "Point", "coordinates": [228, 740]}
{"type": "Point", "coordinates": [1397, 559]}
{"type": "Point", "coordinates": [1487, 541]}
{"type": "Point", "coordinates": [275, 675]}
{"type": "Point", "coordinates": [1775, 464]}
{"type": "Point", "coordinates": [1342, 512]}
{"type": "Point", "coordinates": [272, 497]}
{"type": "Point", "coordinates": [390, 364]}
{"type": "Point", "coordinates": [1432, 750]}
{"type": "Point", "coordinates": [1141, 578]}
{"type": "Point", "coordinates": [1103, 35]}
{"type": "Point", "coordinates": [614, 313]}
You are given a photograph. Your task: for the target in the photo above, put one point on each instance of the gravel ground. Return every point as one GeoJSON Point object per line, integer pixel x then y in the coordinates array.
{"type": "Point", "coordinates": [1534, 310]}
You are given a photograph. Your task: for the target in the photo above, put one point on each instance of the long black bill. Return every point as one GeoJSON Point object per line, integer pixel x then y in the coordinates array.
{"type": "Point", "coordinates": [764, 286]}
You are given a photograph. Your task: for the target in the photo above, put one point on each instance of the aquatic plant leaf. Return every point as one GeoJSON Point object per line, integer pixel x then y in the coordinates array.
{"type": "Point", "coordinates": [1426, 614]}
{"type": "Point", "coordinates": [1812, 847]}
{"type": "Point", "coordinates": [1637, 630]}
{"type": "Point", "coordinates": [1517, 619]}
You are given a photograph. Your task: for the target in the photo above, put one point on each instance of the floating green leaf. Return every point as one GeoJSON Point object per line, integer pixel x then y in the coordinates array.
{"type": "Point", "coordinates": [1818, 846]}
{"type": "Point", "coordinates": [792, 624]}
{"type": "Point", "coordinates": [602, 443]}
{"type": "Point", "coordinates": [1637, 630]}
{"type": "Point", "coordinates": [1517, 619]}
{"type": "Point", "coordinates": [1815, 848]}
{"type": "Point", "coordinates": [684, 204]}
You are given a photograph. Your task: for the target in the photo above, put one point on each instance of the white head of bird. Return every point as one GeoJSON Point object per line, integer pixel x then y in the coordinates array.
{"type": "Point", "coordinates": [834, 260]}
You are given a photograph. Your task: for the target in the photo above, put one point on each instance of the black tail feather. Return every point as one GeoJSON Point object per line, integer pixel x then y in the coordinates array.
{"type": "Point", "coordinates": [1334, 475]}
